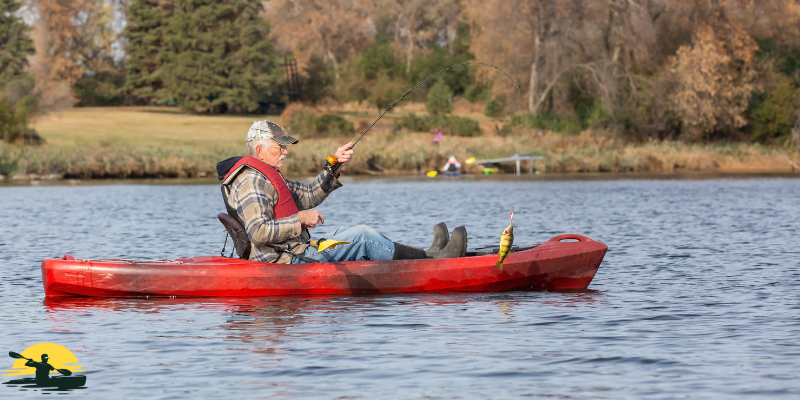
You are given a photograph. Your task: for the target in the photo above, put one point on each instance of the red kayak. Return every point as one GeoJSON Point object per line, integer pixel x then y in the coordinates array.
{"type": "Point", "coordinates": [551, 265]}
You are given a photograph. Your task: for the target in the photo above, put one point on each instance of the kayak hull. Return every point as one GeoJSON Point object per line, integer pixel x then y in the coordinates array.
{"type": "Point", "coordinates": [63, 382]}
{"type": "Point", "coordinates": [552, 265]}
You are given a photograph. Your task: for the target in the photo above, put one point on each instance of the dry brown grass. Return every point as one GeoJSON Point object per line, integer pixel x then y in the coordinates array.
{"type": "Point", "coordinates": [587, 152]}
{"type": "Point", "coordinates": [162, 142]}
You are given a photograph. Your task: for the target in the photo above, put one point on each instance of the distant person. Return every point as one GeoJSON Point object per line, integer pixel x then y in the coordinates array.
{"type": "Point", "coordinates": [452, 168]}
{"type": "Point", "coordinates": [437, 137]}
{"type": "Point", "coordinates": [276, 212]}
{"type": "Point", "coordinates": [42, 368]}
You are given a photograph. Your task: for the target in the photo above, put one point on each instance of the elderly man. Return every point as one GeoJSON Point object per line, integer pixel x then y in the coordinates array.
{"type": "Point", "coordinates": [276, 213]}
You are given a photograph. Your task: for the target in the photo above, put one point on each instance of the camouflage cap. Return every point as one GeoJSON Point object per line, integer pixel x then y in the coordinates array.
{"type": "Point", "coordinates": [268, 130]}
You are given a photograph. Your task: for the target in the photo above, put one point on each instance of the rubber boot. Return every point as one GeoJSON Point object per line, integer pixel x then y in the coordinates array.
{"type": "Point", "coordinates": [457, 247]}
{"type": "Point", "coordinates": [453, 248]}
{"type": "Point", "coordinates": [403, 252]}
{"type": "Point", "coordinates": [440, 237]}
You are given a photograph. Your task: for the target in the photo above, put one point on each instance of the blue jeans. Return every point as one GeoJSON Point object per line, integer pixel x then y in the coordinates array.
{"type": "Point", "coordinates": [365, 244]}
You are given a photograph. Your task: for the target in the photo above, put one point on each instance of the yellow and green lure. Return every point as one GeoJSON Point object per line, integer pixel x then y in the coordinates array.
{"type": "Point", "coordinates": [506, 241]}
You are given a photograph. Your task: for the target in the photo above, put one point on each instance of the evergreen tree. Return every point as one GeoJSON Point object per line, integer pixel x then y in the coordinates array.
{"type": "Point", "coordinates": [17, 101]}
{"type": "Point", "coordinates": [219, 55]}
{"type": "Point", "coordinates": [439, 99]}
{"type": "Point", "coordinates": [15, 40]}
{"type": "Point", "coordinates": [147, 50]}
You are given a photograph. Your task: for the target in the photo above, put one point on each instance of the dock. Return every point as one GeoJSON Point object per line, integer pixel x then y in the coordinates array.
{"type": "Point", "coordinates": [516, 158]}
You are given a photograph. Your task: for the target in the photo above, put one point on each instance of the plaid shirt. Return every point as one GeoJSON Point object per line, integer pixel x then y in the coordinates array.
{"type": "Point", "coordinates": [254, 197]}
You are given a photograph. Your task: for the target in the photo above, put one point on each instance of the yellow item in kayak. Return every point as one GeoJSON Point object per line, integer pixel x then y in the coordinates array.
{"type": "Point", "coordinates": [470, 160]}
{"type": "Point", "coordinates": [323, 244]}
{"type": "Point", "coordinates": [506, 241]}
{"type": "Point", "coordinates": [432, 174]}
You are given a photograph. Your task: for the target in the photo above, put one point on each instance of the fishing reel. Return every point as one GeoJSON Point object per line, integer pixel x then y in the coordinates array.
{"type": "Point", "coordinates": [331, 163]}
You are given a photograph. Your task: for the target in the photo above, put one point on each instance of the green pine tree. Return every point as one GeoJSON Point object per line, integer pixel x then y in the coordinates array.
{"type": "Point", "coordinates": [147, 49]}
{"type": "Point", "coordinates": [220, 55]}
{"type": "Point", "coordinates": [17, 101]}
{"type": "Point", "coordinates": [439, 99]}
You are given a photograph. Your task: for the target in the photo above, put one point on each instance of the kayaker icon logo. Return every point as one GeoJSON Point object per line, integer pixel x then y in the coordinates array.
{"type": "Point", "coordinates": [41, 360]}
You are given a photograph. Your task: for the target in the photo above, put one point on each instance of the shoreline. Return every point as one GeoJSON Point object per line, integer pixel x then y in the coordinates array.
{"type": "Point", "coordinates": [406, 155]}
{"type": "Point", "coordinates": [542, 177]}
{"type": "Point", "coordinates": [148, 143]}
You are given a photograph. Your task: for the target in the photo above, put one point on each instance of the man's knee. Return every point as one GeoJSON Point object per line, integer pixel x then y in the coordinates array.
{"type": "Point", "coordinates": [362, 231]}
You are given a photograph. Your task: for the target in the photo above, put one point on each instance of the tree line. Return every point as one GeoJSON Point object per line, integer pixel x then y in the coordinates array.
{"type": "Point", "coordinates": [693, 70]}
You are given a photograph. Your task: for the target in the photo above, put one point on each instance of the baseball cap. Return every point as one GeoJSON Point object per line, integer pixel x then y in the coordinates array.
{"type": "Point", "coordinates": [268, 130]}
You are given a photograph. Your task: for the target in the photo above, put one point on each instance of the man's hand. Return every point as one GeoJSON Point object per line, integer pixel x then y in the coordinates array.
{"type": "Point", "coordinates": [310, 218]}
{"type": "Point", "coordinates": [345, 153]}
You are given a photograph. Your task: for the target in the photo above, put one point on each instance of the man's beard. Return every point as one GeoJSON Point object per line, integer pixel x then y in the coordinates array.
{"type": "Point", "coordinates": [281, 157]}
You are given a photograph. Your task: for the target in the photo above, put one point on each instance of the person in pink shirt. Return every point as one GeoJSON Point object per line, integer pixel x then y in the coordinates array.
{"type": "Point", "coordinates": [437, 137]}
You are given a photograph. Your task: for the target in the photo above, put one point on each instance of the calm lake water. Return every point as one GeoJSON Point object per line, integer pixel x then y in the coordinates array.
{"type": "Point", "coordinates": [697, 297]}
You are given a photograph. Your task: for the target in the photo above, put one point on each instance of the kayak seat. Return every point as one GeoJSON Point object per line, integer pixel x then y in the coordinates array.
{"type": "Point", "coordinates": [241, 242]}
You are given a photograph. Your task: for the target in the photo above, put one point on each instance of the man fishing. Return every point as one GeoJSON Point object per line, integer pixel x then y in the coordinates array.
{"type": "Point", "coordinates": [42, 368]}
{"type": "Point", "coordinates": [452, 167]}
{"type": "Point", "coordinates": [276, 213]}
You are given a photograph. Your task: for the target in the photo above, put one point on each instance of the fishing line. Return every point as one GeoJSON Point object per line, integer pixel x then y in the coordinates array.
{"type": "Point", "coordinates": [501, 71]}
{"type": "Point", "coordinates": [481, 65]}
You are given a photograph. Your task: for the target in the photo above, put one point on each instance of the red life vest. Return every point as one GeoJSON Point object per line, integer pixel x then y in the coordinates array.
{"type": "Point", "coordinates": [285, 207]}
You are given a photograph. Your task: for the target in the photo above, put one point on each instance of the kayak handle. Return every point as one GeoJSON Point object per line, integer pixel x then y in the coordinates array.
{"type": "Point", "coordinates": [579, 238]}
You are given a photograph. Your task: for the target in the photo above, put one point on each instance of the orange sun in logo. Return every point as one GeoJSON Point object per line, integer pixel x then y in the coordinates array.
{"type": "Point", "coordinates": [60, 357]}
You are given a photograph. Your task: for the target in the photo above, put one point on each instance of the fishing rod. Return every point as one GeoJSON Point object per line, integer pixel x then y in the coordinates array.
{"type": "Point", "coordinates": [334, 162]}
{"type": "Point", "coordinates": [507, 238]}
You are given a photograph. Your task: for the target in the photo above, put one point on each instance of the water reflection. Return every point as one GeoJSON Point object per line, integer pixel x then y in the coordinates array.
{"type": "Point", "coordinates": [264, 322]}
{"type": "Point", "coordinates": [276, 307]}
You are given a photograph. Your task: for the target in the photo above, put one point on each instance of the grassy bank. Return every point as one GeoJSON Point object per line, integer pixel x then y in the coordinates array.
{"type": "Point", "coordinates": [161, 142]}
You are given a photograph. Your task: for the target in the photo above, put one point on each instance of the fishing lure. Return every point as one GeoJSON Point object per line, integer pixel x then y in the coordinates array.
{"type": "Point", "coordinates": [506, 241]}
{"type": "Point", "coordinates": [507, 238]}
